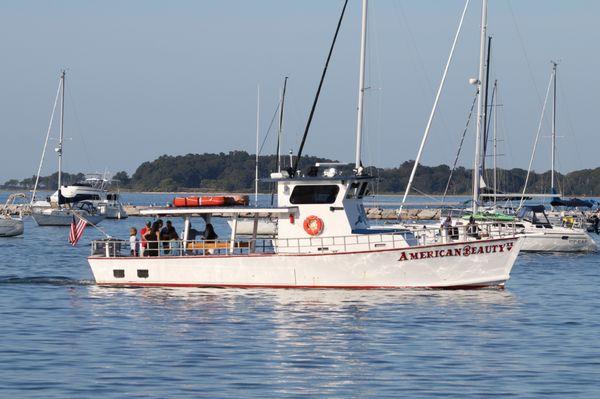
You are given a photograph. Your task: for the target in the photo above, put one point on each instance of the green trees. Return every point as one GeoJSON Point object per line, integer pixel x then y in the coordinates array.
{"type": "Point", "coordinates": [234, 172]}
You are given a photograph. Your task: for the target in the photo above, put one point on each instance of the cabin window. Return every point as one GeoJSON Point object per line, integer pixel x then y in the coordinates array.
{"type": "Point", "coordinates": [142, 273]}
{"type": "Point", "coordinates": [314, 194]}
{"type": "Point", "coordinates": [364, 190]}
{"type": "Point", "coordinates": [119, 273]}
{"type": "Point", "coordinates": [357, 190]}
{"type": "Point", "coordinates": [353, 190]}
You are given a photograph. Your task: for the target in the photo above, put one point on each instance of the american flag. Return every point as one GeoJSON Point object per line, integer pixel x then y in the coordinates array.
{"type": "Point", "coordinates": [77, 227]}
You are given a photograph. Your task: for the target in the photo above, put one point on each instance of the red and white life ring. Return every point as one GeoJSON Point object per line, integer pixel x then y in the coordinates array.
{"type": "Point", "coordinates": [313, 225]}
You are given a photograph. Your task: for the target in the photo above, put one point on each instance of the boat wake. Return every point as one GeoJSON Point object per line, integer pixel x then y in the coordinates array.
{"type": "Point", "coordinates": [43, 280]}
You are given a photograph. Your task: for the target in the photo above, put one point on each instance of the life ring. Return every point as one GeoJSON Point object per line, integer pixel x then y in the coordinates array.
{"type": "Point", "coordinates": [313, 225]}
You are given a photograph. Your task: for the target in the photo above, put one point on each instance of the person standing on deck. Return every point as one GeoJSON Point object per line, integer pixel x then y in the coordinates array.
{"type": "Point", "coordinates": [153, 238]}
{"type": "Point", "coordinates": [133, 241]}
{"type": "Point", "coordinates": [143, 242]}
{"type": "Point", "coordinates": [168, 233]}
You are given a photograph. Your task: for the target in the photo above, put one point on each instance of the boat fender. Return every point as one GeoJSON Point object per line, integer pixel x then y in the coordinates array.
{"type": "Point", "coordinates": [313, 225]}
{"type": "Point", "coordinates": [291, 218]}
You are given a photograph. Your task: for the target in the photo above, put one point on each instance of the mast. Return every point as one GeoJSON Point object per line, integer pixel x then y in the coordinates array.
{"type": "Point", "coordinates": [361, 88]}
{"type": "Point", "coordinates": [554, 65]}
{"type": "Point", "coordinates": [480, 111]}
{"type": "Point", "coordinates": [486, 105]}
{"type": "Point", "coordinates": [59, 150]}
{"type": "Point", "coordinates": [280, 130]}
{"type": "Point", "coordinates": [495, 117]}
{"type": "Point", "coordinates": [257, 134]}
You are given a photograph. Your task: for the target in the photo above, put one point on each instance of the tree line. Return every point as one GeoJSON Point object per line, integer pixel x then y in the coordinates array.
{"type": "Point", "coordinates": [235, 172]}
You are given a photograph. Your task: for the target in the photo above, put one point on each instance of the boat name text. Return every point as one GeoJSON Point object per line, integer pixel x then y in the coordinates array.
{"type": "Point", "coordinates": [467, 250]}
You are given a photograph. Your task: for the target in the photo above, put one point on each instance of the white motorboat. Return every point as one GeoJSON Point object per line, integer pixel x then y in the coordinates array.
{"type": "Point", "coordinates": [11, 225]}
{"type": "Point", "coordinates": [323, 240]}
{"type": "Point", "coordinates": [94, 190]}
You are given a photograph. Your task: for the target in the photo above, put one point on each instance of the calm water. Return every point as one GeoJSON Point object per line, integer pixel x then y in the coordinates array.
{"type": "Point", "coordinates": [64, 337]}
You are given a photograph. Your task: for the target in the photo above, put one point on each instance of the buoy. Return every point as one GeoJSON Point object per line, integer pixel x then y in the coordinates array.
{"type": "Point", "coordinates": [313, 225]}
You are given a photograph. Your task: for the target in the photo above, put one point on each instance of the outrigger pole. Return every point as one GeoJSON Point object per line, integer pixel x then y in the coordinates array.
{"type": "Point", "coordinates": [435, 105]}
{"type": "Point", "coordinates": [312, 110]}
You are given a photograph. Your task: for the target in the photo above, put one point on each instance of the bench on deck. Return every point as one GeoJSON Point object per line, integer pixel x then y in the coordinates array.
{"type": "Point", "coordinates": [202, 245]}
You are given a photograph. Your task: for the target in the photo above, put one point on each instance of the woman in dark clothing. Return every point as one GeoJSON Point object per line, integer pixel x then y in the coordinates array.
{"type": "Point", "coordinates": [153, 237]}
{"type": "Point", "coordinates": [209, 233]}
{"type": "Point", "coordinates": [209, 236]}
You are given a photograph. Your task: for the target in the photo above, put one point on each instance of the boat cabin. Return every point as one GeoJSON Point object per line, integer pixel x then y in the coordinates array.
{"type": "Point", "coordinates": [536, 215]}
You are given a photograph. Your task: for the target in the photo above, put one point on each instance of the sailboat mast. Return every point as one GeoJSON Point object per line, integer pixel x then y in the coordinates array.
{"type": "Point", "coordinates": [257, 136]}
{"type": "Point", "coordinates": [59, 150]}
{"type": "Point", "coordinates": [486, 105]}
{"type": "Point", "coordinates": [495, 116]}
{"type": "Point", "coordinates": [552, 187]}
{"type": "Point", "coordinates": [280, 130]}
{"type": "Point", "coordinates": [480, 111]}
{"type": "Point", "coordinates": [361, 87]}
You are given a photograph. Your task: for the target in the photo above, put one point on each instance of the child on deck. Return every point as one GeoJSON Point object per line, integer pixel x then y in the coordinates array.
{"type": "Point", "coordinates": [133, 241]}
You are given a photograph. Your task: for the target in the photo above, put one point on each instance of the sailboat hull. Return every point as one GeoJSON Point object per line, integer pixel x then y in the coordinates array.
{"type": "Point", "coordinates": [468, 264]}
{"type": "Point", "coordinates": [59, 218]}
{"type": "Point", "coordinates": [11, 227]}
{"type": "Point", "coordinates": [571, 241]}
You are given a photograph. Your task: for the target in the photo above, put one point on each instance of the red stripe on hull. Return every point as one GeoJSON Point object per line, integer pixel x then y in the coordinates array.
{"type": "Point", "coordinates": [303, 287]}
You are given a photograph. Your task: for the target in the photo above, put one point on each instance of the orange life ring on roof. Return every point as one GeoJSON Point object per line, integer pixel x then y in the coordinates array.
{"type": "Point", "coordinates": [313, 225]}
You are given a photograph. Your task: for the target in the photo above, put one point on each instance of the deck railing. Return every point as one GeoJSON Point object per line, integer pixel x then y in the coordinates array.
{"type": "Point", "coordinates": [408, 237]}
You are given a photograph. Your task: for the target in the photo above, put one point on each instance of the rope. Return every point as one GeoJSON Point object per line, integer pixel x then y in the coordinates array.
{"type": "Point", "coordinates": [462, 139]}
{"type": "Point", "coordinates": [269, 129]}
{"type": "Point", "coordinates": [37, 177]}
{"type": "Point", "coordinates": [77, 214]}
{"type": "Point", "coordinates": [537, 136]}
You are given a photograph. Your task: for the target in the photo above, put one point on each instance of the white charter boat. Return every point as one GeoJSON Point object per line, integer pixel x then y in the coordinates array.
{"type": "Point", "coordinates": [94, 190]}
{"type": "Point", "coordinates": [323, 240]}
{"type": "Point", "coordinates": [61, 212]}
{"type": "Point", "coordinates": [10, 225]}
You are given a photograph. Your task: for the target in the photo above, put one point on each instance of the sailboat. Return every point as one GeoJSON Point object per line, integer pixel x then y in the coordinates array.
{"type": "Point", "coordinates": [532, 221]}
{"type": "Point", "coordinates": [10, 225]}
{"type": "Point", "coordinates": [61, 213]}
{"type": "Point", "coordinates": [323, 240]}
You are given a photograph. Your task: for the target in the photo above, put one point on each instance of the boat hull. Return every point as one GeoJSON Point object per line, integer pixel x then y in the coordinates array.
{"type": "Point", "coordinates": [62, 219]}
{"type": "Point", "coordinates": [559, 242]}
{"type": "Point", "coordinates": [460, 265]}
{"type": "Point", "coordinates": [11, 227]}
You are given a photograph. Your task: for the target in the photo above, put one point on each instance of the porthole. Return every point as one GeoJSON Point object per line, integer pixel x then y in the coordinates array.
{"type": "Point", "coordinates": [142, 273]}
{"type": "Point", "coordinates": [119, 273]}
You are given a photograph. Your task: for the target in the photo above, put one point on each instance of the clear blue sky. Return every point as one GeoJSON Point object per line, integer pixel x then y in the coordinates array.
{"type": "Point", "coordinates": [147, 78]}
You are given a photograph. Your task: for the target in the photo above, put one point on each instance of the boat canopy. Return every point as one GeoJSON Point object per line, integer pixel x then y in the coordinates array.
{"type": "Point", "coordinates": [572, 203]}
{"type": "Point", "coordinates": [530, 208]}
